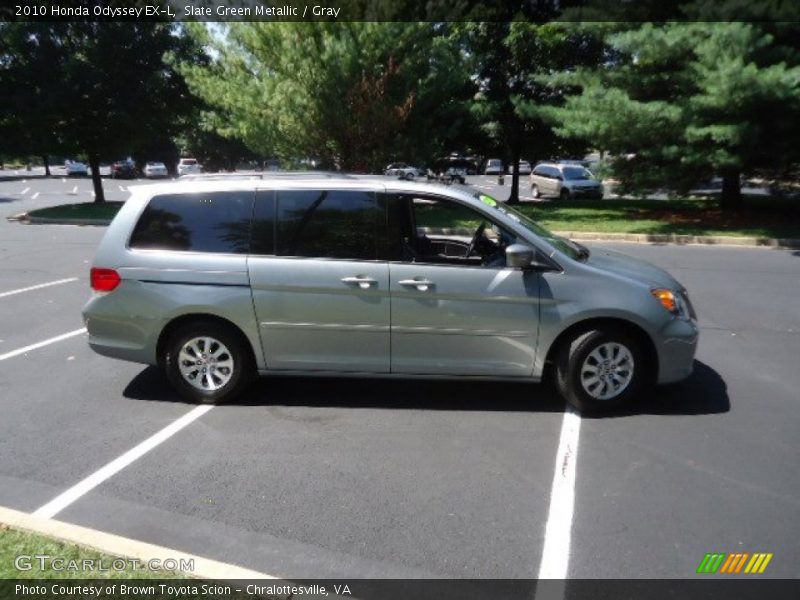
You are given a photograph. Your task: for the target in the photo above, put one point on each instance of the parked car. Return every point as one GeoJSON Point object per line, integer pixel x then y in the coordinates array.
{"type": "Point", "coordinates": [564, 181]}
{"type": "Point", "coordinates": [524, 168]}
{"type": "Point", "coordinates": [189, 166]}
{"type": "Point", "coordinates": [404, 171]}
{"type": "Point", "coordinates": [74, 168]}
{"type": "Point", "coordinates": [494, 166]}
{"type": "Point", "coordinates": [124, 169]}
{"type": "Point", "coordinates": [155, 170]}
{"type": "Point", "coordinates": [216, 281]}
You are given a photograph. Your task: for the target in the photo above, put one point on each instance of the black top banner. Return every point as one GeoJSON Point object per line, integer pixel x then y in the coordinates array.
{"type": "Point", "coordinates": [402, 10]}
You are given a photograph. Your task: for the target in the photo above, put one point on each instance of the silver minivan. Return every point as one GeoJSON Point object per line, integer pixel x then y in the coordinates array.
{"type": "Point", "coordinates": [219, 280]}
{"type": "Point", "coordinates": [565, 181]}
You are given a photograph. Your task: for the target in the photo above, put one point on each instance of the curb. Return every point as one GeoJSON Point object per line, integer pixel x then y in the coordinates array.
{"type": "Point", "coordinates": [682, 240]}
{"type": "Point", "coordinates": [636, 238]}
{"type": "Point", "coordinates": [107, 543]}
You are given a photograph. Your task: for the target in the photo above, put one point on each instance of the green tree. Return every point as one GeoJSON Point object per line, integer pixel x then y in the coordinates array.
{"type": "Point", "coordinates": [511, 60]}
{"type": "Point", "coordinates": [100, 89]}
{"type": "Point", "coordinates": [352, 94]}
{"type": "Point", "coordinates": [679, 102]}
{"type": "Point", "coordinates": [29, 117]}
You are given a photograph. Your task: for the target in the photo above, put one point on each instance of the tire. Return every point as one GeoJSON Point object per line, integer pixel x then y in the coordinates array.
{"type": "Point", "coordinates": [597, 391]}
{"type": "Point", "coordinates": [226, 347]}
{"type": "Point", "coordinates": [564, 195]}
{"type": "Point", "coordinates": [409, 176]}
{"type": "Point", "coordinates": [535, 190]}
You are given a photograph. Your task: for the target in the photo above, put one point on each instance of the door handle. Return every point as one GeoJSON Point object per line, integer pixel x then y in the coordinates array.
{"type": "Point", "coordinates": [363, 282]}
{"type": "Point", "coordinates": [423, 285]}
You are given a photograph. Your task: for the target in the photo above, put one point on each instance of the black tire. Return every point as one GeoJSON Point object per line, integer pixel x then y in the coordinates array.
{"type": "Point", "coordinates": [565, 195]}
{"type": "Point", "coordinates": [534, 190]}
{"type": "Point", "coordinates": [572, 357]}
{"type": "Point", "coordinates": [241, 373]}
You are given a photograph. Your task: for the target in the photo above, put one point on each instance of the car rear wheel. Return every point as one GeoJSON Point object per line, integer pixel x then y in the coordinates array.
{"type": "Point", "coordinates": [207, 362]}
{"type": "Point", "coordinates": [601, 369]}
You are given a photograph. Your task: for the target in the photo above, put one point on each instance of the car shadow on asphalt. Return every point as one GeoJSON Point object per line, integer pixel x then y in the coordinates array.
{"type": "Point", "coordinates": [703, 393]}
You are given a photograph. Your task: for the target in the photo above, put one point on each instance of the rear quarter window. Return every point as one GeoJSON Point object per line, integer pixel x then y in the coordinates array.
{"type": "Point", "coordinates": [212, 222]}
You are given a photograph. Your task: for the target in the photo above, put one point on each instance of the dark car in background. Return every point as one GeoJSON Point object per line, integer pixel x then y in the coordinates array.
{"type": "Point", "coordinates": [451, 170]}
{"type": "Point", "coordinates": [124, 169]}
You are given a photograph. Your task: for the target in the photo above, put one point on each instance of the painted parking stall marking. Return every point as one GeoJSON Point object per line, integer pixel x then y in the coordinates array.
{"type": "Point", "coordinates": [555, 554]}
{"type": "Point", "coordinates": [60, 502]}
{"type": "Point", "coordinates": [47, 342]}
{"type": "Point", "coordinates": [37, 287]}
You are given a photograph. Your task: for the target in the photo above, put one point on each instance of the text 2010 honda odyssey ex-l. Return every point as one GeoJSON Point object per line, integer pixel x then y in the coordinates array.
{"type": "Point", "coordinates": [218, 280]}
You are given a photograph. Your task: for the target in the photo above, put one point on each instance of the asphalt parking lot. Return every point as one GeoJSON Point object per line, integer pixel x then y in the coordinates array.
{"type": "Point", "coordinates": [379, 478]}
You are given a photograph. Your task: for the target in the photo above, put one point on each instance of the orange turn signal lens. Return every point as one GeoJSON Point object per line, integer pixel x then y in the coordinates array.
{"type": "Point", "coordinates": [667, 299]}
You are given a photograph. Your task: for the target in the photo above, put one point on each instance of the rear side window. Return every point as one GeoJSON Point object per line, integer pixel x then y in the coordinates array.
{"type": "Point", "coordinates": [327, 224]}
{"type": "Point", "coordinates": [212, 222]}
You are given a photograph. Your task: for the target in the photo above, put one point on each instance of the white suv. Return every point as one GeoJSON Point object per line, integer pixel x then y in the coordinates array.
{"type": "Point", "coordinates": [189, 166]}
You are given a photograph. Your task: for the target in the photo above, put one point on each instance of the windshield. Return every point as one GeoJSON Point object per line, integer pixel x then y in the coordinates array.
{"type": "Point", "coordinates": [576, 173]}
{"type": "Point", "coordinates": [564, 245]}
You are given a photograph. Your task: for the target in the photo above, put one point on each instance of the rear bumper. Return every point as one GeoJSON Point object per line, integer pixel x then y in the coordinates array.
{"type": "Point", "coordinates": [676, 347]}
{"type": "Point", "coordinates": [116, 333]}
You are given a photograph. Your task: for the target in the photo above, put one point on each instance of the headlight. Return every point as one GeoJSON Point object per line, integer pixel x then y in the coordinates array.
{"type": "Point", "coordinates": [672, 302]}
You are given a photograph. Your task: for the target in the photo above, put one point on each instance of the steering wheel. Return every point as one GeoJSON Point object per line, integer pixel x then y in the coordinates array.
{"type": "Point", "coordinates": [474, 242]}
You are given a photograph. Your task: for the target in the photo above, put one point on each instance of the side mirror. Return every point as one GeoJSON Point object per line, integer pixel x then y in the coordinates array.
{"type": "Point", "coordinates": [519, 256]}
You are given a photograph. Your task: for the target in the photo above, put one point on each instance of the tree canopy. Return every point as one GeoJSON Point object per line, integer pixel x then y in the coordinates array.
{"type": "Point", "coordinates": [100, 89]}
{"type": "Point", "coordinates": [678, 102]}
{"type": "Point", "coordinates": [352, 94]}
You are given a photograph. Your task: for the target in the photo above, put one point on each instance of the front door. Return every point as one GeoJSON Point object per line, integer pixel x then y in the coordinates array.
{"type": "Point", "coordinates": [321, 297]}
{"type": "Point", "coordinates": [456, 308]}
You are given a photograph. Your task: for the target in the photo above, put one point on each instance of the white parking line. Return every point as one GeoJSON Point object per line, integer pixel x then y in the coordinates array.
{"type": "Point", "coordinates": [46, 342]}
{"type": "Point", "coordinates": [37, 287]}
{"type": "Point", "coordinates": [60, 502]}
{"type": "Point", "coordinates": [121, 189]}
{"type": "Point", "coordinates": [74, 191]}
{"type": "Point", "coordinates": [25, 191]}
{"type": "Point", "coordinates": [555, 553]}
{"type": "Point", "coordinates": [35, 196]}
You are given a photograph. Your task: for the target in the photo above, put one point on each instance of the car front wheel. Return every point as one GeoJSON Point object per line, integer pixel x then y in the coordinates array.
{"type": "Point", "coordinates": [601, 369]}
{"type": "Point", "coordinates": [207, 362]}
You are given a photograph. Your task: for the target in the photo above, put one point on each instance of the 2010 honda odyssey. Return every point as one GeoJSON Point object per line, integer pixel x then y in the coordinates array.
{"type": "Point", "coordinates": [219, 280]}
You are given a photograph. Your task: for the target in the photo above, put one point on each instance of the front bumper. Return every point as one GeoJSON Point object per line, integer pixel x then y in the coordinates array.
{"type": "Point", "coordinates": [588, 192]}
{"type": "Point", "coordinates": [676, 346]}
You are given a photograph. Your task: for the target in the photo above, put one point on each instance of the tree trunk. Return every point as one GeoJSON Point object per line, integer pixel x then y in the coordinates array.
{"type": "Point", "coordinates": [97, 182]}
{"type": "Point", "coordinates": [731, 197]}
{"type": "Point", "coordinates": [513, 197]}
{"type": "Point", "coordinates": [46, 165]}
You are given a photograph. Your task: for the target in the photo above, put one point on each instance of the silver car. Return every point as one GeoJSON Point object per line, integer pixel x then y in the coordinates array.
{"type": "Point", "coordinates": [565, 181]}
{"type": "Point", "coordinates": [219, 280]}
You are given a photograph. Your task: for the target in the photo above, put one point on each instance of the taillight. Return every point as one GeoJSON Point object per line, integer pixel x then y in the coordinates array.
{"type": "Point", "coordinates": [104, 280]}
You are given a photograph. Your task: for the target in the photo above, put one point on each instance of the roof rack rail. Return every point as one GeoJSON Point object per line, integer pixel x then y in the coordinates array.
{"type": "Point", "coordinates": [268, 175]}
